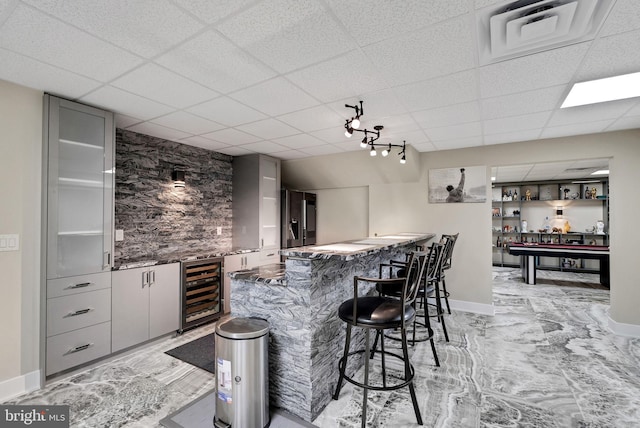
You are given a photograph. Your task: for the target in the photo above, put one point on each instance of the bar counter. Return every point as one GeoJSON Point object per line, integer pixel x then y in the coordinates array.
{"type": "Point", "coordinates": [300, 299]}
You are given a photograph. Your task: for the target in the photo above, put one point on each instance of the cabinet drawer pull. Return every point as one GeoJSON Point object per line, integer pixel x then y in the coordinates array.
{"type": "Point", "coordinates": [79, 312]}
{"type": "Point", "coordinates": [81, 285]}
{"type": "Point", "coordinates": [79, 348]}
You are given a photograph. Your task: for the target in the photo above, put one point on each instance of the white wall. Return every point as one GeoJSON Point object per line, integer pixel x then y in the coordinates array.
{"type": "Point", "coordinates": [20, 184]}
{"type": "Point", "coordinates": [341, 214]}
{"type": "Point", "coordinates": [399, 203]}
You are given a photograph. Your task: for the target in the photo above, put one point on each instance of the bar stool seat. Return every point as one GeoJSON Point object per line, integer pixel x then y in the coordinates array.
{"type": "Point", "coordinates": [380, 313]}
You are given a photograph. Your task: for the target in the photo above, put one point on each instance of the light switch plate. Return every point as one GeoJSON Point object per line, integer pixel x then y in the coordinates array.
{"type": "Point", "coordinates": [10, 242]}
{"type": "Point", "coordinates": [219, 230]}
{"type": "Point", "coordinates": [119, 235]}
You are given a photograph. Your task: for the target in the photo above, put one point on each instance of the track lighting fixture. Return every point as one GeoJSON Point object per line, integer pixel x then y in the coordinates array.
{"type": "Point", "coordinates": [353, 124]}
{"type": "Point", "coordinates": [348, 133]}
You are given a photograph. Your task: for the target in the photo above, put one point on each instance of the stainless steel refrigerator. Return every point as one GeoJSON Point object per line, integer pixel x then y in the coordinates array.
{"type": "Point", "coordinates": [298, 218]}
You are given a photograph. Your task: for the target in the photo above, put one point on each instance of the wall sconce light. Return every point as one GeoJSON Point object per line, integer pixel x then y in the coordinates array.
{"type": "Point", "coordinates": [559, 211]}
{"type": "Point", "coordinates": [178, 178]}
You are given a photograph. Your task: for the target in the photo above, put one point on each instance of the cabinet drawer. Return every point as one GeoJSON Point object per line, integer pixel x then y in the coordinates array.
{"type": "Point", "coordinates": [78, 284]}
{"type": "Point", "coordinates": [77, 311]}
{"type": "Point", "coordinates": [269, 256]}
{"type": "Point", "coordinates": [78, 347]}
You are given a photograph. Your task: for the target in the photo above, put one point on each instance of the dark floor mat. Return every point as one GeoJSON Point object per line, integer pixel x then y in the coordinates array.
{"type": "Point", "coordinates": [198, 352]}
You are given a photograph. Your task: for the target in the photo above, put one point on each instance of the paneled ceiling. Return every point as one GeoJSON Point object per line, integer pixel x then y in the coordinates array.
{"type": "Point", "coordinates": [273, 76]}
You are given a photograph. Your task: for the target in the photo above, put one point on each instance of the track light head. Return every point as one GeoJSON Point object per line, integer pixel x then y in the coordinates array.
{"type": "Point", "coordinates": [373, 151]}
{"type": "Point", "coordinates": [348, 133]}
{"type": "Point", "coordinates": [386, 151]}
{"type": "Point", "coordinates": [403, 160]}
{"type": "Point", "coordinates": [355, 123]}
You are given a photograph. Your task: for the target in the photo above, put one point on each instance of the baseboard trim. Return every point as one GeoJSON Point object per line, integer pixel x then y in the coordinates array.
{"type": "Point", "coordinates": [19, 385]}
{"type": "Point", "coordinates": [622, 329]}
{"type": "Point", "coordinates": [473, 307]}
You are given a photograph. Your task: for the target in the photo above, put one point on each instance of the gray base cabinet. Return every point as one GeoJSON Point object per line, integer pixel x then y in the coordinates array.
{"type": "Point", "coordinates": [145, 304]}
{"type": "Point", "coordinates": [78, 320]}
{"type": "Point", "coordinates": [234, 263]}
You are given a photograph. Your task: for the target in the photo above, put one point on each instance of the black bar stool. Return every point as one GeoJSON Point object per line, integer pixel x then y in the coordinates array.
{"type": "Point", "coordinates": [449, 242]}
{"type": "Point", "coordinates": [380, 313]}
{"type": "Point", "coordinates": [430, 260]}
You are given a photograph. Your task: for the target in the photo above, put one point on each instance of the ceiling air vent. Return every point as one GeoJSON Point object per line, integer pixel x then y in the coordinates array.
{"type": "Point", "coordinates": [527, 26]}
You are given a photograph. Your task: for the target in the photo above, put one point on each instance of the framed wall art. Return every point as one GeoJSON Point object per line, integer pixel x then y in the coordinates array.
{"type": "Point", "coordinates": [455, 185]}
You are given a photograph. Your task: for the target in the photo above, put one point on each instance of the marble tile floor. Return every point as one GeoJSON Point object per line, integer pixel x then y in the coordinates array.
{"type": "Point", "coordinates": [546, 359]}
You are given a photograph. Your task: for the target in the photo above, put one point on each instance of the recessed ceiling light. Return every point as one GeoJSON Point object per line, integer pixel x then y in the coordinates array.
{"type": "Point", "coordinates": [601, 90]}
{"type": "Point", "coordinates": [601, 172]}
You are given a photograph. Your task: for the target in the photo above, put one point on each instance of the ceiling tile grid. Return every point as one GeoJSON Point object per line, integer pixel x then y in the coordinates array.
{"type": "Point", "coordinates": [273, 76]}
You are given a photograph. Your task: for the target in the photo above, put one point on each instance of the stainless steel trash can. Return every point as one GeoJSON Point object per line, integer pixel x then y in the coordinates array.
{"type": "Point", "coordinates": [242, 373]}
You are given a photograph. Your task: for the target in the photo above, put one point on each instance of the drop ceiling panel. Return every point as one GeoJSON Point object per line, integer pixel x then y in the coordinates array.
{"type": "Point", "coordinates": [44, 76]}
{"type": "Point", "coordinates": [512, 137]}
{"type": "Point", "coordinates": [146, 27]}
{"type": "Point", "coordinates": [215, 62]}
{"type": "Point", "coordinates": [454, 89]}
{"type": "Point", "coordinates": [264, 147]}
{"type": "Point", "coordinates": [314, 119]}
{"type": "Point", "coordinates": [275, 97]}
{"type": "Point", "coordinates": [205, 143]}
{"type": "Point", "coordinates": [285, 34]}
{"type": "Point", "coordinates": [378, 104]}
{"type": "Point", "coordinates": [516, 123]}
{"type": "Point", "coordinates": [345, 76]}
{"type": "Point", "coordinates": [275, 69]}
{"type": "Point", "coordinates": [292, 154]}
{"type": "Point", "coordinates": [590, 113]}
{"type": "Point", "coordinates": [236, 151]}
{"type": "Point", "coordinates": [629, 122]}
{"type": "Point", "coordinates": [433, 52]}
{"type": "Point", "coordinates": [623, 17]}
{"type": "Point", "coordinates": [321, 150]}
{"type": "Point", "coordinates": [268, 129]}
{"type": "Point", "coordinates": [213, 11]}
{"type": "Point", "coordinates": [226, 111]}
{"type": "Point", "coordinates": [535, 101]}
{"type": "Point", "coordinates": [387, 19]}
{"type": "Point", "coordinates": [617, 54]}
{"type": "Point", "coordinates": [187, 122]}
{"type": "Point", "coordinates": [450, 115]}
{"type": "Point", "coordinates": [458, 143]}
{"type": "Point", "coordinates": [34, 34]}
{"type": "Point", "coordinates": [159, 84]}
{"type": "Point", "coordinates": [541, 70]}
{"type": "Point", "coordinates": [159, 131]}
{"type": "Point", "coordinates": [124, 121]}
{"type": "Point", "coordinates": [123, 102]}
{"type": "Point", "coordinates": [576, 129]}
{"type": "Point", "coordinates": [457, 132]}
{"type": "Point", "coordinates": [299, 141]}
{"type": "Point", "coordinates": [232, 137]}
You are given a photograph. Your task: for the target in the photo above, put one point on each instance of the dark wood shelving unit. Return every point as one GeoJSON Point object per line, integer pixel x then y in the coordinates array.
{"type": "Point", "coordinates": [202, 291]}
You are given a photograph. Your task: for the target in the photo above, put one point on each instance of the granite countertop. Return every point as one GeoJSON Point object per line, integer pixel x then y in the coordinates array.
{"type": "Point", "coordinates": [272, 274]}
{"type": "Point", "coordinates": [185, 257]}
{"type": "Point", "coordinates": [349, 250]}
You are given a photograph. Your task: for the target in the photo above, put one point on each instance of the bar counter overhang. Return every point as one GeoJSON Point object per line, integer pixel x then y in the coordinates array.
{"type": "Point", "coordinates": [300, 300]}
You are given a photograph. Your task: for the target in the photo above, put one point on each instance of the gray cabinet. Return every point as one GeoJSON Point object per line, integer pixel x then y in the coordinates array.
{"type": "Point", "coordinates": [78, 211]}
{"type": "Point", "coordinates": [145, 304]}
{"type": "Point", "coordinates": [79, 198]}
{"type": "Point", "coordinates": [256, 205]}
{"type": "Point", "coordinates": [234, 263]}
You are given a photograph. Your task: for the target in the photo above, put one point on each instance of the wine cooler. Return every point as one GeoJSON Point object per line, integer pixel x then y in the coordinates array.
{"type": "Point", "coordinates": [202, 282]}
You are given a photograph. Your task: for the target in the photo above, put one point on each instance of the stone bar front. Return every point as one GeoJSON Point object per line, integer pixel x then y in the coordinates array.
{"type": "Point", "coordinates": [300, 300]}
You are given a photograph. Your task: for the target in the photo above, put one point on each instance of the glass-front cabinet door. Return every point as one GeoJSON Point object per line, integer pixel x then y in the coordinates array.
{"type": "Point", "coordinates": [80, 188]}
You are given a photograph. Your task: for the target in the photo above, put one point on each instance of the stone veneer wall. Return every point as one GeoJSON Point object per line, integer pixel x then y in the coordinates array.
{"type": "Point", "coordinates": [161, 222]}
